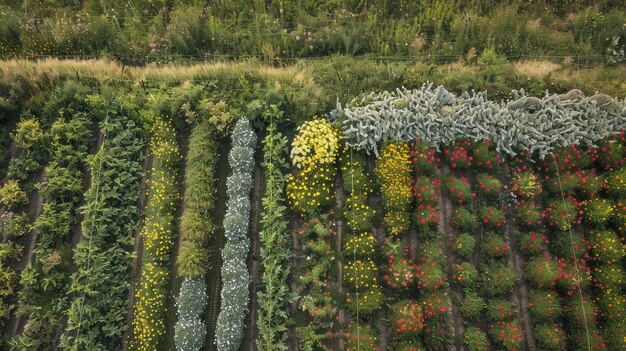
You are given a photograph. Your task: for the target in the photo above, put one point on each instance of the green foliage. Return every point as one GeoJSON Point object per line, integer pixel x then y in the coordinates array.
{"type": "Point", "coordinates": [562, 213]}
{"type": "Point", "coordinates": [13, 226]}
{"type": "Point", "coordinates": [358, 185]}
{"type": "Point", "coordinates": [28, 133]}
{"type": "Point", "coordinates": [158, 234]}
{"type": "Point", "coordinates": [104, 257]}
{"type": "Point", "coordinates": [465, 274]}
{"type": "Point", "coordinates": [598, 211]}
{"type": "Point", "coordinates": [472, 305]}
{"type": "Point", "coordinates": [475, 340]}
{"type": "Point", "coordinates": [464, 245]}
{"type": "Point", "coordinates": [494, 246]}
{"type": "Point", "coordinates": [550, 337]}
{"type": "Point", "coordinates": [544, 306]}
{"type": "Point", "coordinates": [493, 217]}
{"type": "Point", "coordinates": [501, 310]}
{"type": "Point", "coordinates": [360, 337]}
{"type": "Point", "coordinates": [195, 223]}
{"type": "Point", "coordinates": [362, 245]}
{"type": "Point", "coordinates": [532, 243]}
{"type": "Point", "coordinates": [464, 219]}
{"type": "Point", "coordinates": [606, 247]}
{"type": "Point", "coordinates": [498, 279]}
{"type": "Point", "coordinates": [488, 187]}
{"type": "Point", "coordinates": [275, 247]}
{"type": "Point", "coordinates": [11, 195]}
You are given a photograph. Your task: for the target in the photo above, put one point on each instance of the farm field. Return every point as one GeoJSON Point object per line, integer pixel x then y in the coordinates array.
{"type": "Point", "coordinates": [291, 176]}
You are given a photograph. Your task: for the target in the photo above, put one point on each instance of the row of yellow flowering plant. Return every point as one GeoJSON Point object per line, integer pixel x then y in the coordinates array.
{"type": "Point", "coordinates": [393, 172]}
{"type": "Point", "coordinates": [158, 235]}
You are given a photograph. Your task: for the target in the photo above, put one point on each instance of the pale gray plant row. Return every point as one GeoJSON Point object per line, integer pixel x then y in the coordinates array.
{"type": "Point", "coordinates": [439, 117]}
{"type": "Point", "coordinates": [235, 275]}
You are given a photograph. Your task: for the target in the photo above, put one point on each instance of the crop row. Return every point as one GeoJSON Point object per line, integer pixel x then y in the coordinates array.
{"type": "Point", "coordinates": [158, 235]}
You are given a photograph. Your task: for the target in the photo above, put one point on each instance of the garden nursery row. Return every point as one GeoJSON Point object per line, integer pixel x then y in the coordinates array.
{"type": "Point", "coordinates": [407, 220]}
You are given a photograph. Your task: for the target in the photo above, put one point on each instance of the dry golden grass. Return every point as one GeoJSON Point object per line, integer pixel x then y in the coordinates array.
{"type": "Point", "coordinates": [536, 69]}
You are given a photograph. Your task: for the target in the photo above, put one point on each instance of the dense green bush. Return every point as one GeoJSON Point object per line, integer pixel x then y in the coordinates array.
{"type": "Point", "coordinates": [464, 219]}
{"type": "Point", "coordinates": [550, 337]}
{"type": "Point", "coordinates": [465, 274]}
{"type": "Point", "coordinates": [11, 195]}
{"type": "Point", "coordinates": [501, 310]}
{"type": "Point", "coordinates": [498, 279]}
{"type": "Point", "coordinates": [494, 246]}
{"type": "Point", "coordinates": [464, 245]}
{"type": "Point", "coordinates": [543, 272]}
{"type": "Point", "coordinates": [472, 305]}
{"type": "Point", "coordinates": [527, 214]}
{"type": "Point", "coordinates": [475, 340]}
{"type": "Point", "coordinates": [532, 243]}
{"type": "Point", "coordinates": [488, 187]}
{"type": "Point", "coordinates": [606, 246]}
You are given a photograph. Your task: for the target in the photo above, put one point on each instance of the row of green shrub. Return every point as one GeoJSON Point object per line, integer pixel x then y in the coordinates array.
{"type": "Point", "coordinates": [98, 294]}
{"type": "Point", "coordinates": [196, 230]}
{"type": "Point", "coordinates": [46, 280]}
{"type": "Point", "coordinates": [273, 297]}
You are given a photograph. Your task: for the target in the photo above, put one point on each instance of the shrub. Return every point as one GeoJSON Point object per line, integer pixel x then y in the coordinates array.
{"type": "Point", "coordinates": [580, 310]}
{"type": "Point", "coordinates": [590, 184]}
{"type": "Point", "coordinates": [616, 183]}
{"type": "Point", "coordinates": [458, 189]}
{"type": "Point", "coordinates": [426, 189]}
{"type": "Point", "coordinates": [566, 184]}
{"type": "Point", "coordinates": [566, 245]}
{"type": "Point", "coordinates": [609, 155]}
{"type": "Point", "coordinates": [472, 305]}
{"type": "Point", "coordinates": [464, 245]}
{"type": "Point", "coordinates": [550, 337]}
{"type": "Point", "coordinates": [526, 185]}
{"type": "Point", "coordinates": [567, 159]}
{"type": "Point", "coordinates": [409, 345]}
{"type": "Point", "coordinates": [493, 217]}
{"type": "Point", "coordinates": [430, 275]}
{"type": "Point", "coordinates": [13, 225]}
{"type": "Point", "coordinates": [562, 213]}
{"type": "Point", "coordinates": [11, 195]}
{"type": "Point", "coordinates": [619, 217]}
{"type": "Point", "coordinates": [465, 274]}
{"type": "Point", "coordinates": [464, 219]}
{"type": "Point", "coordinates": [532, 243]}
{"type": "Point", "coordinates": [542, 272]}
{"type": "Point", "coordinates": [406, 319]}
{"type": "Point", "coordinates": [316, 143]}
{"type": "Point", "coordinates": [494, 246]}
{"type": "Point", "coordinates": [498, 279]}
{"type": "Point", "coordinates": [362, 245]}
{"type": "Point", "coordinates": [275, 246]}
{"type": "Point", "coordinates": [484, 156]}
{"type": "Point", "coordinates": [235, 276]}
{"type": "Point", "coordinates": [360, 337]}
{"type": "Point", "coordinates": [314, 153]}
{"type": "Point", "coordinates": [475, 340]}
{"type": "Point", "coordinates": [572, 278]}
{"type": "Point", "coordinates": [609, 277]}
{"type": "Point", "coordinates": [434, 304]}
{"type": "Point", "coordinates": [501, 310]}
{"type": "Point", "coordinates": [507, 334]}
{"type": "Point", "coordinates": [400, 273]}
{"type": "Point", "coordinates": [361, 274]}
{"type": "Point", "coordinates": [527, 214]}
{"type": "Point", "coordinates": [358, 184]}
{"type": "Point", "coordinates": [459, 154]}
{"type": "Point", "coordinates": [369, 300]}
{"type": "Point", "coordinates": [606, 247]}
{"type": "Point", "coordinates": [393, 170]}
{"type": "Point", "coordinates": [28, 133]}
{"type": "Point", "coordinates": [488, 187]}
{"type": "Point", "coordinates": [424, 157]}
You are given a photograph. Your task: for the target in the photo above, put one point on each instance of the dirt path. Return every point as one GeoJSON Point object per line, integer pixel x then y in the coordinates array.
{"type": "Point", "coordinates": [253, 260]}
{"type": "Point", "coordinates": [515, 260]}
{"type": "Point", "coordinates": [456, 293]}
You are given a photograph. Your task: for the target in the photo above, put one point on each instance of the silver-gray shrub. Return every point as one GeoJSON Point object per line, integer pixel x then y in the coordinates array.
{"type": "Point", "coordinates": [190, 331]}
{"type": "Point", "coordinates": [439, 117]}
{"type": "Point", "coordinates": [235, 275]}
